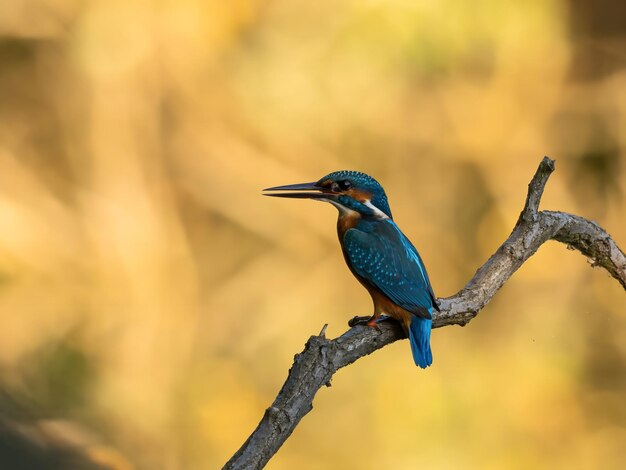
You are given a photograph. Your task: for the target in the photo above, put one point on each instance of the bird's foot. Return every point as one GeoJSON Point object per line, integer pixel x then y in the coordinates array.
{"type": "Point", "coordinates": [354, 321]}
{"type": "Point", "coordinates": [369, 321]}
{"type": "Point", "coordinates": [373, 323]}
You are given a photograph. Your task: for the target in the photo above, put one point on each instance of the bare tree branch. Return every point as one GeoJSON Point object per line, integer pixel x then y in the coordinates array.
{"type": "Point", "coordinates": [322, 357]}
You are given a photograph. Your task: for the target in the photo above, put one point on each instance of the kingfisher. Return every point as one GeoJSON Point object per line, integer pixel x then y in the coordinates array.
{"type": "Point", "coordinates": [378, 254]}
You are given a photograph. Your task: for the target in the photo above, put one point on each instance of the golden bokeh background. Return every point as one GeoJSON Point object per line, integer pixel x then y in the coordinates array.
{"type": "Point", "coordinates": [151, 301]}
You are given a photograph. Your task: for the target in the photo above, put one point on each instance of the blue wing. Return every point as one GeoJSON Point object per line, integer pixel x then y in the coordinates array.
{"type": "Point", "coordinates": [381, 254]}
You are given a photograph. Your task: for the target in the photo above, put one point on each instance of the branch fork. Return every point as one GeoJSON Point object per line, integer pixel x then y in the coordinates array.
{"type": "Point", "coordinates": [321, 358]}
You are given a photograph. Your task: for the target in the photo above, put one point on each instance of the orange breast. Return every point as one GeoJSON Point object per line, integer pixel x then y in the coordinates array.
{"type": "Point", "coordinates": [345, 222]}
{"type": "Point", "coordinates": [384, 305]}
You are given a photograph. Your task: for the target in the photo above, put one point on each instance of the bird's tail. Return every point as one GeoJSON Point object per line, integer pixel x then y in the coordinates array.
{"type": "Point", "coordinates": [419, 336]}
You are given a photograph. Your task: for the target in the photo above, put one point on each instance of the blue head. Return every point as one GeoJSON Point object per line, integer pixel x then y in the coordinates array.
{"type": "Point", "coordinates": [347, 190]}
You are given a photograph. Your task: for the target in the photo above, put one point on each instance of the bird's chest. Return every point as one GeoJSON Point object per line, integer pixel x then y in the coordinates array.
{"type": "Point", "coordinates": [345, 222]}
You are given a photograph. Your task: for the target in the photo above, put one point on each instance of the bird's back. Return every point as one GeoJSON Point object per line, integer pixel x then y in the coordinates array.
{"type": "Point", "coordinates": [377, 251]}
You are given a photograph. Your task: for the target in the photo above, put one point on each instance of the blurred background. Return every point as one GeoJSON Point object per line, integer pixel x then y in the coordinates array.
{"type": "Point", "coordinates": [151, 301]}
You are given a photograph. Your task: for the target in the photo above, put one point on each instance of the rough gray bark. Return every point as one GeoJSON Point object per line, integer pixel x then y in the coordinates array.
{"type": "Point", "coordinates": [322, 357]}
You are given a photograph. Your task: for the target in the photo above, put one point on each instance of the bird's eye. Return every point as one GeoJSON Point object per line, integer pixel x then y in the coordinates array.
{"type": "Point", "coordinates": [345, 184]}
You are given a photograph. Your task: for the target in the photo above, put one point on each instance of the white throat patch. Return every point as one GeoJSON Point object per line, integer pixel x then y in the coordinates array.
{"type": "Point", "coordinates": [377, 212]}
{"type": "Point", "coordinates": [345, 211]}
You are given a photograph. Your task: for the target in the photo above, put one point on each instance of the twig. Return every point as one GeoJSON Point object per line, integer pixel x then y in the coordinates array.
{"type": "Point", "coordinates": [321, 358]}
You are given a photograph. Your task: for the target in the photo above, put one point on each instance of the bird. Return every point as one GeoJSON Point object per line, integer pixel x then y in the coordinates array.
{"type": "Point", "coordinates": [378, 254]}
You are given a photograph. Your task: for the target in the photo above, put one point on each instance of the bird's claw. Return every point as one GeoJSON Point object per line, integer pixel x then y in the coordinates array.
{"type": "Point", "coordinates": [368, 321]}
{"type": "Point", "coordinates": [354, 321]}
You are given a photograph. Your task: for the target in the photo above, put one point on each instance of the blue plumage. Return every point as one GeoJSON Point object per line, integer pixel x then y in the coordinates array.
{"type": "Point", "coordinates": [380, 256]}
{"type": "Point", "coordinates": [419, 336]}
{"type": "Point", "coordinates": [380, 253]}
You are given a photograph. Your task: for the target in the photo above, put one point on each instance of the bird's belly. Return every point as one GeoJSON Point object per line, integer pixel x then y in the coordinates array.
{"type": "Point", "coordinates": [384, 305]}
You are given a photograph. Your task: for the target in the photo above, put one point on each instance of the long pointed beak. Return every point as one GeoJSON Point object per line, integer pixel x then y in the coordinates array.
{"type": "Point", "coordinates": [303, 191]}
